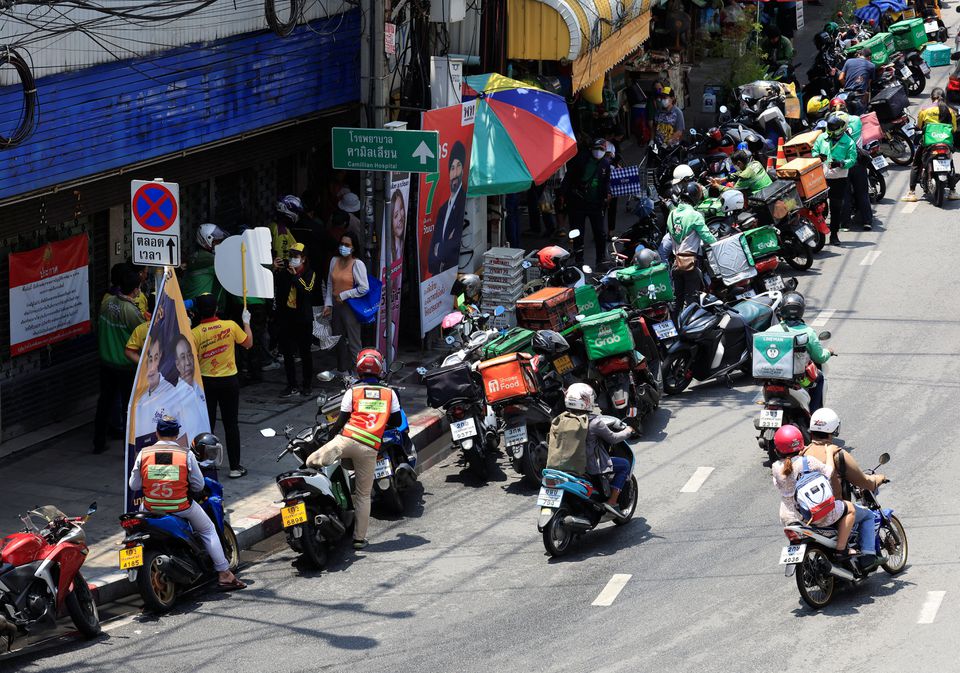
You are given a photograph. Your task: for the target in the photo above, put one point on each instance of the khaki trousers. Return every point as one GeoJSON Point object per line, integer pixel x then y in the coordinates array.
{"type": "Point", "coordinates": [364, 459]}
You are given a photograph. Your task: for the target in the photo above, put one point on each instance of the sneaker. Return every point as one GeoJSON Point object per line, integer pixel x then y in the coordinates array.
{"type": "Point", "coordinates": [360, 544]}
{"type": "Point", "coordinates": [270, 366]}
{"type": "Point", "coordinates": [868, 226]}
{"type": "Point", "coordinates": [910, 197]}
{"type": "Point", "coordinates": [240, 471]}
{"type": "Point", "coordinates": [289, 392]}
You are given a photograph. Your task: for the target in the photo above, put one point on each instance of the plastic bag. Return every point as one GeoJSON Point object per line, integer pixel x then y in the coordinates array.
{"type": "Point", "coordinates": [322, 331]}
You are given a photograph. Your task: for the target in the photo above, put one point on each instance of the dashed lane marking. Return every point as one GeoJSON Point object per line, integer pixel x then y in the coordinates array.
{"type": "Point", "coordinates": [910, 207]}
{"type": "Point", "coordinates": [870, 258]}
{"type": "Point", "coordinates": [696, 481]}
{"type": "Point", "coordinates": [928, 612]}
{"type": "Point", "coordinates": [822, 317]}
{"type": "Point", "coordinates": [612, 590]}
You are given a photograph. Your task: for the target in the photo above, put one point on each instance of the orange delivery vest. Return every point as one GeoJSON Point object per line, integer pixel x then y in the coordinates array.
{"type": "Point", "coordinates": [163, 470]}
{"type": "Point", "coordinates": [370, 414]}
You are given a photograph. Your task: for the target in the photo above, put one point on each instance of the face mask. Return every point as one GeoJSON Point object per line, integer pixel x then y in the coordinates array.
{"type": "Point", "coordinates": [598, 154]}
{"type": "Point", "coordinates": [345, 251]}
{"type": "Point", "coordinates": [295, 262]}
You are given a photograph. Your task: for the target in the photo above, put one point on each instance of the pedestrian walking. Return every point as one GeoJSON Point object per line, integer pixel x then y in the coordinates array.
{"type": "Point", "coordinates": [346, 279]}
{"type": "Point", "coordinates": [295, 283]}
{"type": "Point", "coordinates": [216, 340]}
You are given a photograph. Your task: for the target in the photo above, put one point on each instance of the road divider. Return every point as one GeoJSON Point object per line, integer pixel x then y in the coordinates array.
{"type": "Point", "coordinates": [696, 481]}
{"type": "Point", "coordinates": [610, 592]}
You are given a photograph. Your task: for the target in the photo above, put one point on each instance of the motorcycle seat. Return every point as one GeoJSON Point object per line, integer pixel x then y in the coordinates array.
{"type": "Point", "coordinates": [755, 311]}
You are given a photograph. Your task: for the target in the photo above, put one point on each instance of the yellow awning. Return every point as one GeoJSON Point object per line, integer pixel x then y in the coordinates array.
{"type": "Point", "coordinates": [594, 64]}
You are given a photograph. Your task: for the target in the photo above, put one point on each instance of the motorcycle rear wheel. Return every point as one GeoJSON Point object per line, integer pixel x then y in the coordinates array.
{"type": "Point", "coordinates": [938, 192]}
{"type": "Point", "coordinates": [816, 585]}
{"type": "Point", "coordinates": [627, 501]}
{"type": "Point", "coordinates": [82, 608]}
{"type": "Point", "coordinates": [231, 548]}
{"type": "Point", "coordinates": [918, 82]}
{"type": "Point", "coordinates": [556, 538]}
{"type": "Point", "coordinates": [893, 532]}
{"type": "Point", "coordinates": [314, 549]}
{"type": "Point", "coordinates": [797, 255]}
{"type": "Point", "coordinates": [158, 591]}
{"type": "Point", "coordinates": [391, 498]}
{"type": "Point", "coordinates": [534, 460]}
{"type": "Point", "coordinates": [876, 185]}
{"type": "Point", "coordinates": [676, 373]}
{"type": "Point", "coordinates": [821, 239]}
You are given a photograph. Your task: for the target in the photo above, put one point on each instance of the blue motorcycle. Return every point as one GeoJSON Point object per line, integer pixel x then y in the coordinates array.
{"type": "Point", "coordinates": [396, 466]}
{"type": "Point", "coordinates": [572, 504]}
{"type": "Point", "coordinates": [164, 557]}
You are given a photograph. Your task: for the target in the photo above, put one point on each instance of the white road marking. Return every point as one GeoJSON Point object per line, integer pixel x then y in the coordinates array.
{"type": "Point", "coordinates": [870, 258]}
{"type": "Point", "coordinates": [910, 207]}
{"type": "Point", "coordinates": [612, 590]}
{"type": "Point", "coordinates": [119, 621]}
{"type": "Point", "coordinates": [822, 317]}
{"type": "Point", "coordinates": [696, 481]}
{"type": "Point", "coordinates": [930, 607]}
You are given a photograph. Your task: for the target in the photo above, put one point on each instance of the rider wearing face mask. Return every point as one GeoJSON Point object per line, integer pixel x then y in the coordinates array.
{"type": "Point", "coordinates": [295, 283]}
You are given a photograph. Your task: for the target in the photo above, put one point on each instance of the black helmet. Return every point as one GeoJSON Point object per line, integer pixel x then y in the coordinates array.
{"type": "Point", "coordinates": [836, 125]}
{"type": "Point", "coordinates": [822, 40]}
{"type": "Point", "coordinates": [548, 342]}
{"type": "Point", "coordinates": [468, 284]}
{"type": "Point", "coordinates": [644, 258]}
{"type": "Point", "coordinates": [755, 144]}
{"type": "Point", "coordinates": [792, 306]}
{"type": "Point", "coordinates": [206, 446]}
{"type": "Point", "coordinates": [691, 192]}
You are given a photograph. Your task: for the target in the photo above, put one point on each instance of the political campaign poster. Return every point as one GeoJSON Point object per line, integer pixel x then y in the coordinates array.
{"type": "Point", "coordinates": [49, 294]}
{"type": "Point", "coordinates": [442, 201]}
{"type": "Point", "coordinates": [391, 262]}
{"type": "Point", "coordinates": [167, 382]}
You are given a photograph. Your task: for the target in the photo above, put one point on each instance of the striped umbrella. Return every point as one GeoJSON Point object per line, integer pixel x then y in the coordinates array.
{"type": "Point", "coordinates": [521, 135]}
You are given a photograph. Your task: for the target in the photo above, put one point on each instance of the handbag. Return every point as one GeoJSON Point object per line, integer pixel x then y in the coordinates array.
{"type": "Point", "coordinates": [367, 306]}
{"type": "Point", "coordinates": [685, 261]}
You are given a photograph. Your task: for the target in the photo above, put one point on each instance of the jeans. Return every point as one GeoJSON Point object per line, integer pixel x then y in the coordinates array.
{"type": "Point", "coordinates": [860, 188]}
{"type": "Point", "coordinates": [224, 392]}
{"type": "Point", "coordinates": [296, 336]}
{"type": "Point", "coordinates": [866, 526]}
{"type": "Point", "coordinates": [578, 218]}
{"type": "Point", "coordinates": [621, 472]}
{"type": "Point", "coordinates": [838, 204]}
{"type": "Point", "coordinates": [113, 382]}
{"type": "Point", "coordinates": [816, 393]}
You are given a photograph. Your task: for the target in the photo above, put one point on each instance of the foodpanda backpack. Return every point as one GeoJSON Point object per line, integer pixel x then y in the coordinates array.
{"type": "Point", "coordinates": [813, 494]}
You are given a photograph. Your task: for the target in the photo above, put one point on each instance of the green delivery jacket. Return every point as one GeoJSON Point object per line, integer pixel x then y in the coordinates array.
{"type": "Point", "coordinates": [854, 127]}
{"type": "Point", "coordinates": [815, 349]}
{"type": "Point", "coordinates": [843, 150]}
{"type": "Point", "coordinates": [753, 178]}
{"type": "Point", "coordinates": [687, 229]}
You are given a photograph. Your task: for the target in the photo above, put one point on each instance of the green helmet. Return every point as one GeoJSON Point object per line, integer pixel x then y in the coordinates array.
{"type": "Point", "coordinates": [831, 27]}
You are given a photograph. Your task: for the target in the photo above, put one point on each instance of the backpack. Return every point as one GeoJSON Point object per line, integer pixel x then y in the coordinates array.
{"type": "Point", "coordinates": [566, 445]}
{"type": "Point", "coordinates": [813, 494]}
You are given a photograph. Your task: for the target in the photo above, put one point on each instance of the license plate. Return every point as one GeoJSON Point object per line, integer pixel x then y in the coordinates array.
{"type": "Point", "coordinates": [550, 497]}
{"type": "Point", "coordinates": [792, 554]}
{"type": "Point", "coordinates": [771, 418]}
{"type": "Point", "coordinates": [924, 68]}
{"type": "Point", "coordinates": [909, 130]}
{"type": "Point", "coordinates": [131, 557]}
{"type": "Point", "coordinates": [463, 429]}
{"type": "Point", "coordinates": [773, 283]}
{"type": "Point", "coordinates": [905, 71]}
{"type": "Point", "coordinates": [805, 233]}
{"type": "Point", "coordinates": [931, 27]}
{"type": "Point", "coordinates": [942, 165]}
{"type": "Point", "coordinates": [879, 163]}
{"type": "Point", "coordinates": [294, 515]}
{"type": "Point", "coordinates": [516, 435]}
{"type": "Point", "coordinates": [747, 295]}
{"type": "Point", "coordinates": [665, 329]}
{"type": "Point", "coordinates": [383, 469]}
{"type": "Point", "coordinates": [563, 364]}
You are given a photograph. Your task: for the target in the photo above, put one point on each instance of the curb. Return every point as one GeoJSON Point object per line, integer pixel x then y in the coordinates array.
{"type": "Point", "coordinates": [426, 428]}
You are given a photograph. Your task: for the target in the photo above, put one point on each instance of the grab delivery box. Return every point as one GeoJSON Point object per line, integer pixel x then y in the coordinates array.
{"type": "Point", "coordinates": [773, 355]}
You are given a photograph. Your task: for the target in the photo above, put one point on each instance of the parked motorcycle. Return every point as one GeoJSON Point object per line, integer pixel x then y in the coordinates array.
{"type": "Point", "coordinates": [40, 575]}
{"type": "Point", "coordinates": [571, 505]}
{"type": "Point", "coordinates": [714, 340]}
{"type": "Point", "coordinates": [808, 556]}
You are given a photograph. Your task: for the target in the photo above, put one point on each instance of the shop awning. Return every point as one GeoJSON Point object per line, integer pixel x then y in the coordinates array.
{"type": "Point", "coordinates": [590, 33]}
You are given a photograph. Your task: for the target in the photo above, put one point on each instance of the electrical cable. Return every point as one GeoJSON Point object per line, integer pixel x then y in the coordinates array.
{"type": "Point", "coordinates": [278, 26]}
{"type": "Point", "coordinates": [28, 117]}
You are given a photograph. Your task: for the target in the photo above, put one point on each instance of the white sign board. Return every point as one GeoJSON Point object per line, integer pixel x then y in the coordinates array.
{"type": "Point", "coordinates": [231, 265]}
{"type": "Point", "coordinates": [155, 222]}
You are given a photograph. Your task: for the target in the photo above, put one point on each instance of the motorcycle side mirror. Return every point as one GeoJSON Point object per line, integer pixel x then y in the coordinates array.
{"type": "Point", "coordinates": [288, 431]}
{"type": "Point", "coordinates": [526, 264]}
{"type": "Point", "coordinates": [499, 311]}
{"type": "Point", "coordinates": [421, 371]}
{"type": "Point", "coordinates": [792, 283]}
{"type": "Point", "coordinates": [824, 335]}
{"type": "Point", "coordinates": [321, 400]}
{"type": "Point", "coordinates": [884, 458]}
{"type": "Point", "coordinates": [326, 376]}
{"type": "Point", "coordinates": [586, 268]}
{"type": "Point", "coordinates": [268, 432]}
{"type": "Point", "coordinates": [396, 366]}
{"type": "Point", "coordinates": [574, 233]}
{"type": "Point", "coordinates": [450, 340]}
{"type": "Point", "coordinates": [92, 508]}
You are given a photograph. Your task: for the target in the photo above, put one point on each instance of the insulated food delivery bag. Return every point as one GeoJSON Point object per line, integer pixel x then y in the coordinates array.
{"type": "Point", "coordinates": [607, 334]}
{"type": "Point", "coordinates": [646, 287]}
{"type": "Point", "coordinates": [508, 377]}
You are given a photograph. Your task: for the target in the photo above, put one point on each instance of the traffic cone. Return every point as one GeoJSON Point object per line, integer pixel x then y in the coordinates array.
{"type": "Point", "coordinates": [770, 165]}
{"type": "Point", "coordinates": [781, 157]}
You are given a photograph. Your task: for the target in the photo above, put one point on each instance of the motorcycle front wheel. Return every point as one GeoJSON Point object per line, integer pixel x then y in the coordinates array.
{"type": "Point", "coordinates": [627, 501]}
{"type": "Point", "coordinates": [893, 538]}
{"type": "Point", "coordinates": [557, 538]}
{"type": "Point", "coordinates": [82, 608]}
{"type": "Point", "coordinates": [898, 148]}
{"type": "Point", "coordinates": [158, 591]}
{"type": "Point", "coordinates": [814, 581]}
{"type": "Point", "coordinates": [231, 548]}
{"type": "Point", "coordinates": [676, 372]}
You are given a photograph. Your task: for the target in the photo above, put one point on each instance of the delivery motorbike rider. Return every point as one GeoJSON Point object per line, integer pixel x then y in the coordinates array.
{"type": "Point", "coordinates": [751, 176]}
{"type": "Point", "coordinates": [792, 308]}
{"type": "Point", "coordinates": [824, 426]}
{"type": "Point", "coordinates": [368, 408]}
{"type": "Point", "coordinates": [687, 230]}
{"type": "Point", "coordinates": [576, 443]}
{"type": "Point", "coordinates": [937, 112]}
{"type": "Point", "coordinates": [171, 480]}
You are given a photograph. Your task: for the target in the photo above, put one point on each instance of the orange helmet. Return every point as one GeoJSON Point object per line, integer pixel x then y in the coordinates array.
{"type": "Point", "coordinates": [370, 363]}
{"type": "Point", "coordinates": [552, 256]}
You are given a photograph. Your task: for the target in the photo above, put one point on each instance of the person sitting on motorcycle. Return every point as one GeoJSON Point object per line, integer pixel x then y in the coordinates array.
{"type": "Point", "coordinates": [788, 443]}
{"type": "Point", "coordinates": [856, 76]}
{"type": "Point", "coordinates": [368, 408]}
{"type": "Point", "coordinates": [837, 151]}
{"type": "Point", "coordinates": [466, 291]}
{"type": "Point", "coordinates": [792, 308]}
{"type": "Point", "coordinates": [937, 112]}
{"type": "Point", "coordinates": [171, 480]}
{"type": "Point", "coordinates": [750, 174]}
{"type": "Point", "coordinates": [779, 50]}
{"type": "Point", "coordinates": [857, 177]}
{"type": "Point", "coordinates": [687, 230]}
{"type": "Point", "coordinates": [576, 443]}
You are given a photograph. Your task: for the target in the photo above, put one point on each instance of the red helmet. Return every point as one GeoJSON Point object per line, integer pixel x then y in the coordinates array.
{"type": "Point", "coordinates": [551, 256]}
{"type": "Point", "coordinates": [370, 363]}
{"type": "Point", "coordinates": [788, 441]}
{"type": "Point", "coordinates": [838, 104]}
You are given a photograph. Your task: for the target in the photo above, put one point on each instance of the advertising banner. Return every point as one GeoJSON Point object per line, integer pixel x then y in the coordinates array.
{"type": "Point", "coordinates": [391, 256]}
{"type": "Point", "coordinates": [167, 382]}
{"type": "Point", "coordinates": [442, 201]}
{"type": "Point", "coordinates": [49, 294]}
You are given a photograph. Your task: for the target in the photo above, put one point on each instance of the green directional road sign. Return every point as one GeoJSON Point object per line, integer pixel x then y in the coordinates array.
{"type": "Point", "coordinates": [385, 150]}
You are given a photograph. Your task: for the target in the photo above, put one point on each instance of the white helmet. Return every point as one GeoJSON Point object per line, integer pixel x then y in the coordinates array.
{"type": "Point", "coordinates": [209, 235]}
{"type": "Point", "coordinates": [580, 396]}
{"type": "Point", "coordinates": [681, 173]}
{"type": "Point", "coordinates": [826, 421]}
{"type": "Point", "coordinates": [732, 200]}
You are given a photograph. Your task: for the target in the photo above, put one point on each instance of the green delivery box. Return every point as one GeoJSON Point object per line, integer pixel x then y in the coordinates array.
{"type": "Point", "coordinates": [514, 340]}
{"type": "Point", "coordinates": [607, 334]}
{"type": "Point", "coordinates": [646, 287]}
{"type": "Point", "coordinates": [773, 355]}
{"type": "Point", "coordinates": [587, 301]}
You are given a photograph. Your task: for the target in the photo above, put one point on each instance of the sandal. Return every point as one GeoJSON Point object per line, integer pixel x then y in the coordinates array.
{"type": "Point", "coordinates": [231, 586]}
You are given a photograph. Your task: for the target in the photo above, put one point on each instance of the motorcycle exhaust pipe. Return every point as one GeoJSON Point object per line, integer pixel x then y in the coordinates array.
{"type": "Point", "coordinates": [577, 524]}
{"type": "Point", "coordinates": [180, 571]}
{"type": "Point", "coordinates": [842, 573]}
{"type": "Point", "coordinates": [329, 528]}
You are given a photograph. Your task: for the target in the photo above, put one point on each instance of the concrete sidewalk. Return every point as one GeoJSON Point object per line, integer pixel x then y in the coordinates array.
{"type": "Point", "coordinates": [64, 472]}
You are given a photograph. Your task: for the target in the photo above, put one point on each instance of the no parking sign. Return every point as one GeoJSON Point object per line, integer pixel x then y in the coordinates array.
{"type": "Point", "coordinates": [155, 220]}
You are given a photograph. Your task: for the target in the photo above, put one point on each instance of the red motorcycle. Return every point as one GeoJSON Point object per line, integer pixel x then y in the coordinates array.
{"type": "Point", "coordinates": [40, 574]}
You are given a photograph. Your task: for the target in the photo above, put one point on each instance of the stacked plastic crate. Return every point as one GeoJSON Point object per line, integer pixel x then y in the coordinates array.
{"type": "Point", "coordinates": [502, 284]}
